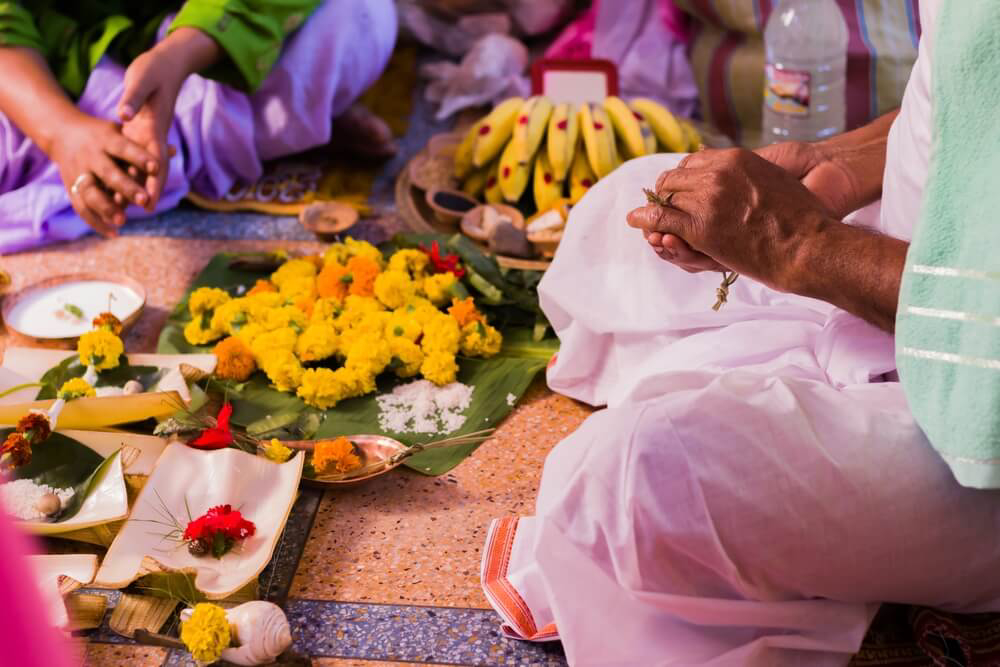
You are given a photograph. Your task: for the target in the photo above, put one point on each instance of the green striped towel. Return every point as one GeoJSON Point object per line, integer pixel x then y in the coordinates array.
{"type": "Point", "coordinates": [948, 322]}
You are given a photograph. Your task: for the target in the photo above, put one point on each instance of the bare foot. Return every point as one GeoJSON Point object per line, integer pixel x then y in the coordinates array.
{"type": "Point", "coordinates": [361, 133]}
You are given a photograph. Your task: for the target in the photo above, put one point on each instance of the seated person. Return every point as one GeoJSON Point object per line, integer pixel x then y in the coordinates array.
{"type": "Point", "coordinates": [758, 482]}
{"type": "Point", "coordinates": [97, 96]}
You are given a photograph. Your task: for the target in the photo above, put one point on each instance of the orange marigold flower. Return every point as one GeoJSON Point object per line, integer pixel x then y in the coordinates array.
{"type": "Point", "coordinates": [18, 448]}
{"type": "Point", "coordinates": [235, 360]}
{"type": "Point", "coordinates": [108, 321]}
{"type": "Point", "coordinates": [305, 304]}
{"type": "Point", "coordinates": [363, 272]}
{"type": "Point", "coordinates": [464, 311]}
{"type": "Point", "coordinates": [333, 282]}
{"type": "Point", "coordinates": [35, 427]}
{"type": "Point", "coordinates": [335, 456]}
{"type": "Point", "coordinates": [262, 286]}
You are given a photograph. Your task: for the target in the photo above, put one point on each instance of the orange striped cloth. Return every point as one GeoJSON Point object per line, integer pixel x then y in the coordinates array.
{"type": "Point", "coordinates": [727, 56]}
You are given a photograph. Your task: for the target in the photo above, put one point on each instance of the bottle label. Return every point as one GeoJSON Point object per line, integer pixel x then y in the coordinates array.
{"type": "Point", "coordinates": [787, 91]}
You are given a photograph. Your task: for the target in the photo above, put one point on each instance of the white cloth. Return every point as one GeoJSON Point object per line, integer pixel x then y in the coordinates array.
{"type": "Point", "coordinates": [750, 494]}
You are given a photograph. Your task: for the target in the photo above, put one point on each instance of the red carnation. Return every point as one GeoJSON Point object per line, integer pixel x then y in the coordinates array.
{"type": "Point", "coordinates": [445, 264]}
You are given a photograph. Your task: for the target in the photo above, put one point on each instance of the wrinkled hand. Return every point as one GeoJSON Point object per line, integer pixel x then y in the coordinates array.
{"type": "Point", "coordinates": [96, 148]}
{"type": "Point", "coordinates": [734, 210]}
{"type": "Point", "coordinates": [152, 83]}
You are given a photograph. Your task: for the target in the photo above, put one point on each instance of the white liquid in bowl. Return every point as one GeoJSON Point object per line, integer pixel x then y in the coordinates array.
{"type": "Point", "coordinates": [51, 312]}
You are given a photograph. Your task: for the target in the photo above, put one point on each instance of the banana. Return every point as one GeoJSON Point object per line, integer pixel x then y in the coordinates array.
{"type": "Point", "coordinates": [581, 176]}
{"type": "Point", "coordinates": [492, 194]}
{"type": "Point", "coordinates": [513, 173]}
{"type": "Point", "coordinates": [628, 127]}
{"type": "Point", "coordinates": [665, 126]}
{"type": "Point", "coordinates": [598, 139]}
{"type": "Point", "coordinates": [463, 154]}
{"type": "Point", "coordinates": [564, 130]}
{"type": "Point", "coordinates": [691, 135]}
{"type": "Point", "coordinates": [476, 180]}
{"type": "Point", "coordinates": [495, 130]}
{"type": "Point", "coordinates": [531, 123]}
{"type": "Point", "coordinates": [547, 189]}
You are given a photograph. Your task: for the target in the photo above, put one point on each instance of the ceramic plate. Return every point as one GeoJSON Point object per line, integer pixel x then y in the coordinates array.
{"type": "Point", "coordinates": [183, 478]}
{"type": "Point", "coordinates": [58, 576]}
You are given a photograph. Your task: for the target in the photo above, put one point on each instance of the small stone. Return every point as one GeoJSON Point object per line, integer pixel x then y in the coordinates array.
{"type": "Point", "coordinates": [48, 504]}
{"type": "Point", "coordinates": [132, 387]}
{"type": "Point", "coordinates": [507, 239]}
{"type": "Point", "coordinates": [198, 548]}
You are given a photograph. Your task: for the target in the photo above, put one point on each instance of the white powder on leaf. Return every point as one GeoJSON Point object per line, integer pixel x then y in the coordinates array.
{"type": "Point", "coordinates": [21, 497]}
{"type": "Point", "coordinates": [422, 407]}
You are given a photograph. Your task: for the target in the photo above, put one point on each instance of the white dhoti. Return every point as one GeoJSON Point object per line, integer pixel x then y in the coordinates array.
{"type": "Point", "coordinates": [755, 487]}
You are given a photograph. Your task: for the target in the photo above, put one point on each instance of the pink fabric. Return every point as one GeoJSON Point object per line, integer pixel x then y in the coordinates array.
{"type": "Point", "coordinates": [28, 640]}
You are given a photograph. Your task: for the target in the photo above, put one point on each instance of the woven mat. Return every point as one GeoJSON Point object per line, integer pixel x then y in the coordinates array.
{"type": "Point", "coordinates": [290, 184]}
{"type": "Point", "coordinates": [905, 636]}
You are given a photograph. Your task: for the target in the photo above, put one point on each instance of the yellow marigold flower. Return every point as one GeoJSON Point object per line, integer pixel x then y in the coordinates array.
{"type": "Point", "coordinates": [335, 456]}
{"type": "Point", "coordinates": [394, 288]}
{"type": "Point", "coordinates": [249, 333]}
{"type": "Point", "coordinates": [283, 317]}
{"type": "Point", "coordinates": [363, 272]}
{"type": "Point", "coordinates": [262, 286]}
{"type": "Point", "coordinates": [206, 299]}
{"type": "Point", "coordinates": [206, 633]}
{"type": "Point", "coordinates": [336, 253]}
{"type": "Point", "coordinates": [276, 451]}
{"type": "Point", "coordinates": [234, 360]}
{"type": "Point", "coordinates": [323, 388]}
{"type": "Point", "coordinates": [410, 260]}
{"type": "Point", "coordinates": [333, 281]}
{"type": "Point", "coordinates": [195, 334]}
{"type": "Point", "coordinates": [232, 316]}
{"type": "Point", "coordinates": [293, 268]}
{"type": "Point", "coordinates": [437, 287]}
{"type": "Point", "coordinates": [76, 388]}
{"type": "Point", "coordinates": [325, 311]}
{"type": "Point", "coordinates": [283, 369]}
{"type": "Point", "coordinates": [440, 368]}
{"type": "Point", "coordinates": [365, 250]}
{"type": "Point", "coordinates": [369, 355]}
{"type": "Point", "coordinates": [464, 311]}
{"type": "Point", "coordinates": [480, 340]}
{"type": "Point", "coordinates": [110, 322]}
{"type": "Point", "coordinates": [403, 324]}
{"type": "Point", "coordinates": [317, 342]}
{"type": "Point", "coordinates": [422, 310]}
{"type": "Point", "coordinates": [406, 356]}
{"type": "Point", "coordinates": [316, 259]}
{"type": "Point", "coordinates": [100, 349]}
{"type": "Point", "coordinates": [441, 334]}
{"type": "Point", "coordinates": [296, 289]}
{"type": "Point", "coordinates": [283, 339]}
{"type": "Point", "coordinates": [261, 302]}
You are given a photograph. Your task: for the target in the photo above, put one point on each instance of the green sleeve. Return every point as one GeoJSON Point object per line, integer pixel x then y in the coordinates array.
{"type": "Point", "coordinates": [251, 32]}
{"type": "Point", "coordinates": [17, 27]}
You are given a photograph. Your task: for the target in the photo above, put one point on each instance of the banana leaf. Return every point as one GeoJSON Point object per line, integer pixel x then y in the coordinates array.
{"type": "Point", "coordinates": [62, 462]}
{"type": "Point", "coordinates": [264, 411]}
{"type": "Point", "coordinates": [71, 368]}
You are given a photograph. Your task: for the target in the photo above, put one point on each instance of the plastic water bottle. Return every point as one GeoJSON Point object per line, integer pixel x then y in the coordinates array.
{"type": "Point", "coordinates": [805, 79]}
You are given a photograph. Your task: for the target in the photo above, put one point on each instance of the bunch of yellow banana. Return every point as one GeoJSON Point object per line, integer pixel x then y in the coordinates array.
{"type": "Point", "coordinates": [562, 149]}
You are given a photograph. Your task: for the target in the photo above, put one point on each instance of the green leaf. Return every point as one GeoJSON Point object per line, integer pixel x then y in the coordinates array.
{"type": "Point", "coordinates": [62, 462]}
{"type": "Point", "coordinates": [71, 367]}
{"type": "Point", "coordinates": [73, 310]}
{"type": "Point", "coordinates": [272, 423]}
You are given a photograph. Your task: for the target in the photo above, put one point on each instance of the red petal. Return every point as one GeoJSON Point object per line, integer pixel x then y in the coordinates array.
{"type": "Point", "coordinates": [213, 438]}
{"type": "Point", "coordinates": [224, 414]}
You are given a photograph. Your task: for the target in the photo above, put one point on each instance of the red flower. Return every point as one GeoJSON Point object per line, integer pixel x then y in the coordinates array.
{"type": "Point", "coordinates": [221, 519]}
{"type": "Point", "coordinates": [446, 264]}
{"type": "Point", "coordinates": [220, 435]}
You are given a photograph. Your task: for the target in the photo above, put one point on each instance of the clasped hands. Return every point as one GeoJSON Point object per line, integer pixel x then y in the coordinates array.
{"type": "Point", "coordinates": [752, 213]}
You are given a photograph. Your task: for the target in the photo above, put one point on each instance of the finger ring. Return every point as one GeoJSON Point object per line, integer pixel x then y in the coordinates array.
{"type": "Point", "coordinates": [80, 181]}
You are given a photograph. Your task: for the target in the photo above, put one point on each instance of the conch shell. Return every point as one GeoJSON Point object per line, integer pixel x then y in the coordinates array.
{"type": "Point", "coordinates": [261, 630]}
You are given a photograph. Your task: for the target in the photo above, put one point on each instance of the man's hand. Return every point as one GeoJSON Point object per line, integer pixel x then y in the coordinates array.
{"type": "Point", "coordinates": [830, 179]}
{"type": "Point", "coordinates": [740, 212]}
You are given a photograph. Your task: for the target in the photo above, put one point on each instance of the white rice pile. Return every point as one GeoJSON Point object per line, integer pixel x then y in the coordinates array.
{"type": "Point", "coordinates": [511, 400]}
{"type": "Point", "coordinates": [21, 496]}
{"type": "Point", "coordinates": [422, 407]}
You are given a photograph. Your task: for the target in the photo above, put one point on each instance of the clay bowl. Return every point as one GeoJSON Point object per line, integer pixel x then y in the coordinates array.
{"type": "Point", "coordinates": [12, 301]}
{"type": "Point", "coordinates": [328, 219]}
{"type": "Point", "coordinates": [471, 224]}
{"type": "Point", "coordinates": [449, 205]}
{"type": "Point", "coordinates": [546, 242]}
{"type": "Point", "coordinates": [379, 454]}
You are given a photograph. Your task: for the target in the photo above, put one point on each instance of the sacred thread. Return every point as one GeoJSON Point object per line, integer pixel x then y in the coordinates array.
{"type": "Point", "coordinates": [728, 277]}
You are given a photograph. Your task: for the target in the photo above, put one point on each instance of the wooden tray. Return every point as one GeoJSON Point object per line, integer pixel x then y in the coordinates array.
{"type": "Point", "coordinates": [418, 216]}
